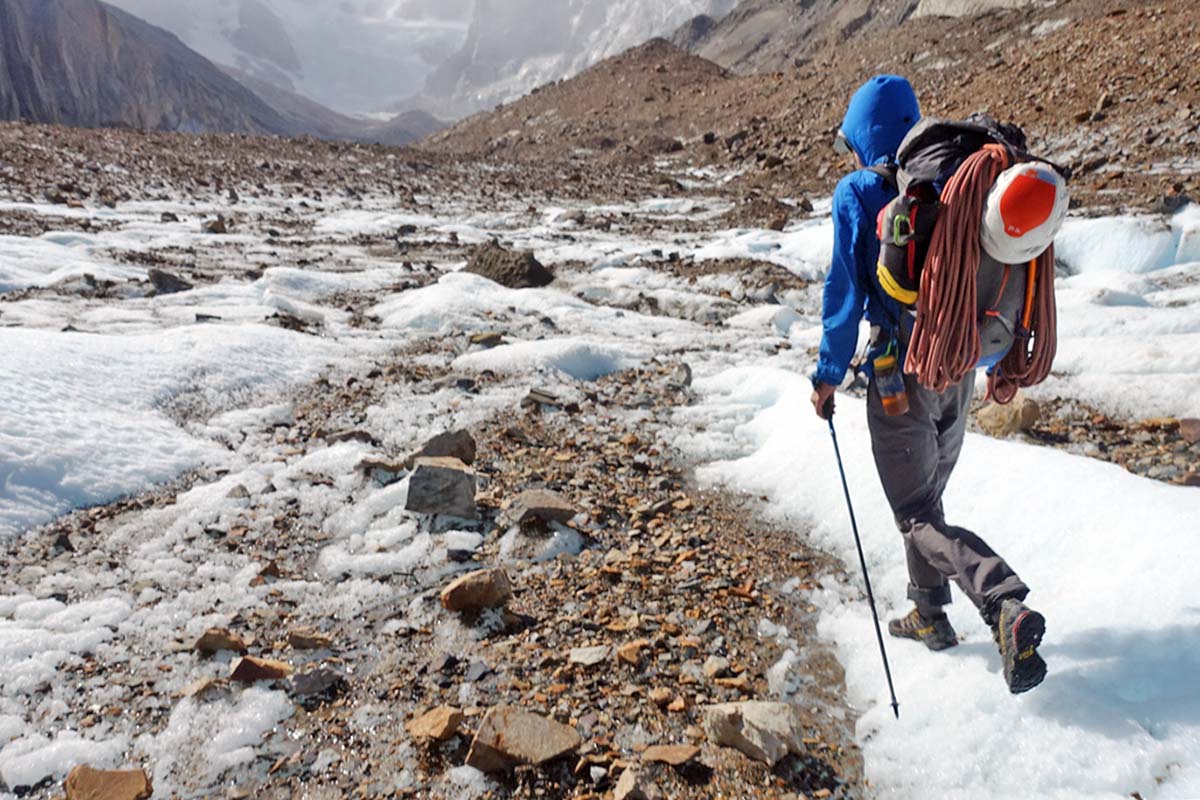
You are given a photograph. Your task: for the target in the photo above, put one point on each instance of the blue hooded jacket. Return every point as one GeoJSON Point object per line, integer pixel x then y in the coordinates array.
{"type": "Point", "coordinates": [881, 113]}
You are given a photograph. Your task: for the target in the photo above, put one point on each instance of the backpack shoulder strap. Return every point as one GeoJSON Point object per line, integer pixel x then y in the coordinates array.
{"type": "Point", "coordinates": [889, 173]}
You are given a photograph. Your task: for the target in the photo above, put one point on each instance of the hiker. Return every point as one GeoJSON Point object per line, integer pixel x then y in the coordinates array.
{"type": "Point", "coordinates": [915, 451]}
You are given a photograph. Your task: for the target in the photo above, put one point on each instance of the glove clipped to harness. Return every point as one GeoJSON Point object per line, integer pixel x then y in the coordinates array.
{"type": "Point", "coordinates": [905, 227]}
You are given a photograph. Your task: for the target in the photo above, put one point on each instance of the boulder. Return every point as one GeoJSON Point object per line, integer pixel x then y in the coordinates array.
{"type": "Point", "coordinates": [477, 591]}
{"type": "Point", "coordinates": [166, 283]}
{"type": "Point", "coordinates": [85, 783]}
{"type": "Point", "coordinates": [516, 270]}
{"type": "Point", "coordinates": [509, 737]}
{"type": "Point", "coordinates": [437, 725]}
{"type": "Point", "coordinates": [452, 444]}
{"type": "Point", "coordinates": [763, 731]}
{"type": "Point", "coordinates": [442, 486]}
{"type": "Point", "coordinates": [1005, 420]}
{"type": "Point", "coordinates": [539, 504]}
{"type": "Point", "coordinates": [1189, 429]}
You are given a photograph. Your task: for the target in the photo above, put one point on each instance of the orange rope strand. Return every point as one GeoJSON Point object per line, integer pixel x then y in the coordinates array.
{"type": "Point", "coordinates": [945, 343]}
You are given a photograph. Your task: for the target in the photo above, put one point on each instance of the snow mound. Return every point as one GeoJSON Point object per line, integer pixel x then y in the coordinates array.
{"type": "Point", "coordinates": [26, 762]}
{"type": "Point", "coordinates": [805, 250]}
{"type": "Point", "coordinates": [89, 417]}
{"type": "Point", "coordinates": [1130, 244]}
{"type": "Point", "coordinates": [53, 258]}
{"type": "Point", "coordinates": [581, 359]}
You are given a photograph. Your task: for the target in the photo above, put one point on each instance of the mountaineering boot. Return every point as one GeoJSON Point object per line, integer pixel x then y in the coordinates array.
{"type": "Point", "coordinates": [934, 631]}
{"type": "Point", "coordinates": [1018, 633]}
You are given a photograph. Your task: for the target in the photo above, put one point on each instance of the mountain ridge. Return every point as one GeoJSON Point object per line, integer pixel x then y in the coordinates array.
{"type": "Point", "coordinates": [82, 62]}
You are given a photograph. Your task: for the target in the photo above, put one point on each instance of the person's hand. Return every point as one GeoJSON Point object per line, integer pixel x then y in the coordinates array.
{"type": "Point", "coordinates": [822, 395]}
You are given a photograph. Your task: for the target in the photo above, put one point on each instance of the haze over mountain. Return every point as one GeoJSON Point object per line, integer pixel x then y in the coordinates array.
{"type": "Point", "coordinates": [85, 63]}
{"type": "Point", "coordinates": [352, 56]}
{"type": "Point", "coordinates": [450, 57]}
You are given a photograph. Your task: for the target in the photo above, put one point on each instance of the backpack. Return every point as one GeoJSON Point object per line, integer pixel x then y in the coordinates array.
{"type": "Point", "coordinates": [928, 157]}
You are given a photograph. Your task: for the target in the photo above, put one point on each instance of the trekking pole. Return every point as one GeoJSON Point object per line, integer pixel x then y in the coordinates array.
{"type": "Point", "coordinates": [887, 670]}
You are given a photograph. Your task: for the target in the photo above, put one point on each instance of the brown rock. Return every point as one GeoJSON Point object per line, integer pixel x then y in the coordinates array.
{"type": "Point", "coordinates": [451, 444]}
{"type": "Point", "coordinates": [509, 737]}
{"type": "Point", "coordinates": [716, 667]}
{"type": "Point", "coordinates": [660, 695]}
{"type": "Point", "coordinates": [763, 731]}
{"type": "Point", "coordinates": [674, 754]}
{"type": "Point", "coordinates": [85, 783]}
{"type": "Point", "coordinates": [476, 591]}
{"type": "Point", "coordinates": [215, 640]}
{"type": "Point", "coordinates": [631, 653]}
{"type": "Point", "coordinates": [215, 226]}
{"type": "Point", "coordinates": [1189, 429]}
{"type": "Point", "coordinates": [442, 486]}
{"type": "Point", "coordinates": [439, 724]}
{"type": "Point", "coordinates": [250, 669]}
{"type": "Point", "coordinates": [539, 504]}
{"type": "Point", "coordinates": [516, 270]}
{"type": "Point", "coordinates": [633, 785]}
{"type": "Point", "coordinates": [1001, 421]}
{"type": "Point", "coordinates": [309, 639]}
{"type": "Point", "coordinates": [489, 339]}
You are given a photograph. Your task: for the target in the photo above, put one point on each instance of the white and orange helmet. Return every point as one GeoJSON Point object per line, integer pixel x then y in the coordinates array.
{"type": "Point", "coordinates": [1025, 210]}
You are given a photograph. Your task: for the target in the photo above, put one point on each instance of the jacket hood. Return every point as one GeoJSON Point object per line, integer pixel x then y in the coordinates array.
{"type": "Point", "coordinates": [881, 113]}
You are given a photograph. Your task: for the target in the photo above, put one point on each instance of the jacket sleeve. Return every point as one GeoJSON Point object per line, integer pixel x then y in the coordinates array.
{"type": "Point", "coordinates": [845, 294]}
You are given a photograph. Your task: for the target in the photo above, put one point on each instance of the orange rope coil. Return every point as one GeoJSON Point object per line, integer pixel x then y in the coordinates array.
{"type": "Point", "coordinates": [945, 344]}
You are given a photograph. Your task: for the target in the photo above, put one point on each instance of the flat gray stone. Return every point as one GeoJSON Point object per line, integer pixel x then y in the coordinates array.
{"type": "Point", "coordinates": [442, 486]}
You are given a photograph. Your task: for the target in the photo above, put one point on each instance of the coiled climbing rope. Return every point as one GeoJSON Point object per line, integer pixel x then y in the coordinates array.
{"type": "Point", "coordinates": [945, 343]}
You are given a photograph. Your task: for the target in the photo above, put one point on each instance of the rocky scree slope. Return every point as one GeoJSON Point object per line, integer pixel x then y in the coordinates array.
{"type": "Point", "coordinates": [596, 641]}
{"type": "Point", "coordinates": [1101, 86]}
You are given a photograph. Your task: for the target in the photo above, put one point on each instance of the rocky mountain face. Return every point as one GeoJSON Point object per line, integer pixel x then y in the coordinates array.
{"type": "Point", "coordinates": [81, 62]}
{"type": "Point", "coordinates": [764, 35]}
{"type": "Point", "coordinates": [1108, 90]}
{"type": "Point", "coordinates": [85, 63]}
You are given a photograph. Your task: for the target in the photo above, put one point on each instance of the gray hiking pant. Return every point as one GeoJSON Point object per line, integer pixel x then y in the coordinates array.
{"type": "Point", "coordinates": [915, 454]}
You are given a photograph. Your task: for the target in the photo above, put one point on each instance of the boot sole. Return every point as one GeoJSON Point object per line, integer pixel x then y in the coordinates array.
{"type": "Point", "coordinates": [1027, 633]}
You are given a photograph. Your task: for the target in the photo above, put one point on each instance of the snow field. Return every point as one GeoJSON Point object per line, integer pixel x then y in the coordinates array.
{"type": "Point", "coordinates": [88, 417]}
{"type": "Point", "coordinates": [1101, 548]}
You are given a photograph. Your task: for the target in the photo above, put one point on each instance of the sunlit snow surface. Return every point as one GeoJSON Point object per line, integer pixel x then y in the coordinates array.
{"type": "Point", "coordinates": [97, 413]}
